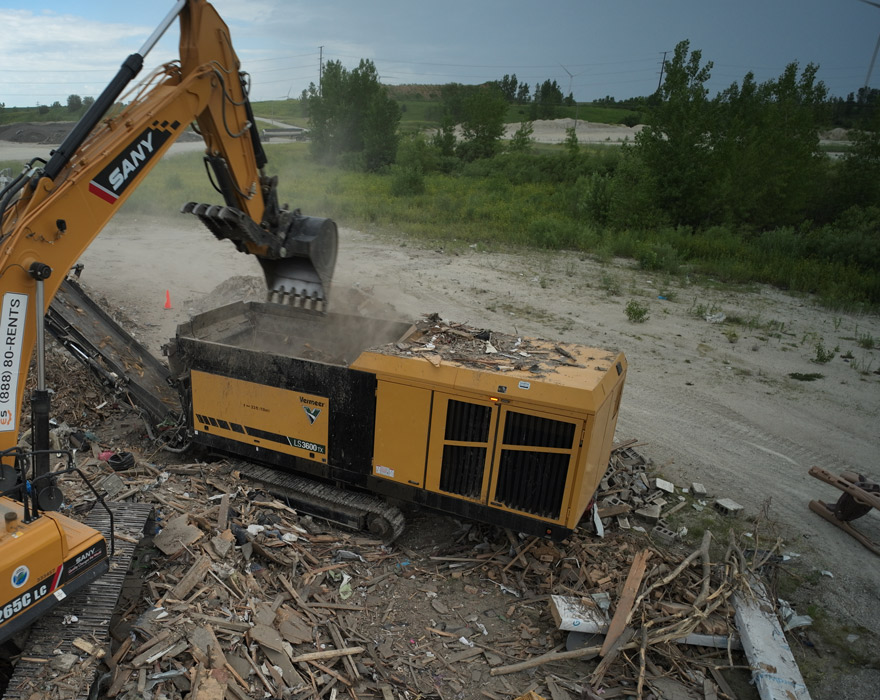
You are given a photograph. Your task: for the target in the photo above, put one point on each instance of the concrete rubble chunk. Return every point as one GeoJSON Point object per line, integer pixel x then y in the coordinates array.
{"type": "Point", "coordinates": [698, 490]}
{"type": "Point", "coordinates": [727, 506]}
{"type": "Point", "coordinates": [663, 534]}
{"type": "Point", "coordinates": [664, 485]}
{"type": "Point", "coordinates": [650, 513]}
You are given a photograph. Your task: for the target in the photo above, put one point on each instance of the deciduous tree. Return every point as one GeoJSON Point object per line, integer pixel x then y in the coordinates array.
{"type": "Point", "coordinates": [353, 117]}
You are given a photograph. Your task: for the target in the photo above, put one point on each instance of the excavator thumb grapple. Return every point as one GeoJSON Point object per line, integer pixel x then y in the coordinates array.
{"type": "Point", "coordinates": [297, 252]}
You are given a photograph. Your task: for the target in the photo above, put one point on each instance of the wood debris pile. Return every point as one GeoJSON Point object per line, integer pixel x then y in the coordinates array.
{"type": "Point", "coordinates": [440, 341]}
{"type": "Point", "coordinates": [245, 598]}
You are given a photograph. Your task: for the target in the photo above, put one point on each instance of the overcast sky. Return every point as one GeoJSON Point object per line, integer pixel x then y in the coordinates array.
{"type": "Point", "coordinates": [52, 48]}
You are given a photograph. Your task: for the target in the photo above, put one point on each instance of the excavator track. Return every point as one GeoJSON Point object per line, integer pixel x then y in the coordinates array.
{"type": "Point", "coordinates": [347, 508]}
{"type": "Point", "coordinates": [92, 606]}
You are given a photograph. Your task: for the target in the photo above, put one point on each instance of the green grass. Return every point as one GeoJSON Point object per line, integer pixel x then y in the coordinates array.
{"type": "Point", "coordinates": [806, 376]}
{"type": "Point", "coordinates": [12, 115]}
{"type": "Point", "coordinates": [288, 111]}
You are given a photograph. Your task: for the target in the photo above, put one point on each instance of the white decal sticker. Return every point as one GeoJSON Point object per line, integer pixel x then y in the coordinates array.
{"type": "Point", "coordinates": [525, 385]}
{"type": "Point", "coordinates": [12, 320]}
{"type": "Point", "coordinates": [384, 471]}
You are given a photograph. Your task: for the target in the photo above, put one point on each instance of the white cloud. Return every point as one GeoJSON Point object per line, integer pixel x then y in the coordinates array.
{"type": "Point", "coordinates": [47, 56]}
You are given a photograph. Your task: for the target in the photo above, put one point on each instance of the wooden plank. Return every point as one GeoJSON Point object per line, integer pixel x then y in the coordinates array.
{"type": "Point", "coordinates": [205, 640]}
{"type": "Point", "coordinates": [611, 511]}
{"type": "Point", "coordinates": [775, 672]}
{"type": "Point", "coordinates": [223, 623]}
{"type": "Point", "coordinates": [722, 683]}
{"type": "Point", "coordinates": [212, 687]}
{"type": "Point", "coordinates": [195, 574]}
{"type": "Point", "coordinates": [826, 512]}
{"type": "Point", "coordinates": [223, 514]}
{"type": "Point", "coordinates": [329, 654]}
{"type": "Point", "coordinates": [627, 598]}
{"type": "Point", "coordinates": [849, 487]}
{"type": "Point", "coordinates": [621, 641]}
{"type": "Point", "coordinates": [176, 535]}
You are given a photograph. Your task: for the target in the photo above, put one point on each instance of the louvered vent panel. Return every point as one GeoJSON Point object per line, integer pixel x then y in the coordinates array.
{"type": "Point", "coordinates": [467, 422]}
{"type": "Point", "coordinates": [532, 482]}
{"type": "Point", "coordinates": [462, 470]}
{"type": "Point", "coordinates": [534, 431]}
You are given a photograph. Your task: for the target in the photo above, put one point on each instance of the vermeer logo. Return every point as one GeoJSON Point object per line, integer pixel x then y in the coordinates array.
{"type": "Point", "coordinates": [312, 413]}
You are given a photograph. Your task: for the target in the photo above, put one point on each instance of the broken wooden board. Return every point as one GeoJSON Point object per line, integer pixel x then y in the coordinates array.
{"type": "Point", "coordinates": [775, 672]}
{"type": "Point", "coordinates": [825, 510]}
{"type": "Point", "coordinates": [176, 535]}
{"type": "Point", "coordinates": [627, 598]}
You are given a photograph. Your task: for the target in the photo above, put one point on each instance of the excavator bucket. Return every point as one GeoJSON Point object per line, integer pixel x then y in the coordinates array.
{"type": "Point", "coordinates": [305, 273]}
{"type": "Point", "coordinates": [298, 258]}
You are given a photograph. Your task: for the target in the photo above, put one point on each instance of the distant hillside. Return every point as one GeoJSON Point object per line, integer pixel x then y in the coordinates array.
{"type": "Point", "coordinates": [12, 115]}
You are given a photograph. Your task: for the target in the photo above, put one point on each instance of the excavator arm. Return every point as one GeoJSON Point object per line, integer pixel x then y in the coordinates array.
{"type": "Point", "coordinates": [54, 210]}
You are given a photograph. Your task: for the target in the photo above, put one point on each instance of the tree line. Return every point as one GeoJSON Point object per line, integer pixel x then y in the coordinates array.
{"type": "Point", "coordinates": [707, 178]}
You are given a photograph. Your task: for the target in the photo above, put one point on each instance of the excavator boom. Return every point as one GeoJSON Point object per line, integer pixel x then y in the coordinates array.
{"type": "Point", "coordinates": [52, 212]}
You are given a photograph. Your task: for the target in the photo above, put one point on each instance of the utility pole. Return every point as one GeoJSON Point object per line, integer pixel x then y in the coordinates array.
{"type": "Point", "coordinates": [320, 70]}
{"type": "Point", "coordinates": [662, 66]}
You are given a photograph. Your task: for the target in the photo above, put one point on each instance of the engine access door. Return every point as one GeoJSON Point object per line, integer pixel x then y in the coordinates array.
{"type": "Point", "coordinates": [534, 466]}
{"type": "Point", "coordinates": [461, 446]}
{"type": "Point", "coordinates": [504, 457]}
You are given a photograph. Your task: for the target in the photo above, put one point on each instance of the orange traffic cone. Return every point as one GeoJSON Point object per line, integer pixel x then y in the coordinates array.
{"type": "Point", "coordinates": [167, 299]}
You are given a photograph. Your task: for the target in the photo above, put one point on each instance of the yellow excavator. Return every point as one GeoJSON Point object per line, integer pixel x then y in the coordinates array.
{"type": "Point", "coordinates": [52, 212]}
{"type": "Point", "coordinates": [509, 431]}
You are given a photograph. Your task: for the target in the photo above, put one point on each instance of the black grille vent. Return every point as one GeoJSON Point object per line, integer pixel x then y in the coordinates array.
{"type": "Point", "coordinates": [532, 482]}
{"type": "Point", "coordinates": [462, 470]}
{"type": "Point", "coordinates": [467, 422]}
{"type": "Point", "coordinates": [532, 431]}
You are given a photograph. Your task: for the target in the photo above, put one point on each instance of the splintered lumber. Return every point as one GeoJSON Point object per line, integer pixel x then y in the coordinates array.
{"type": "Point", "coordinates": [850, 487]}
{"type": "Point", "coordinates": [586, 653]}
{"type": "Point", "coordinates": [775, 672]}
{"type": "Point", "coordinates": [176, 535]}
{"type": "Point", "coordinates": [620, 642]}
{"type": "Point", "coordinates": [204, 639]}
{"type": "Point", "coordinates": [195, 574]}
{"type": "Point", "coordinates": [211, 688]}
{"type": "Point", "coordinates": [329, 654]}
{"type": "Point", "coordinates": [627, 598]}
{"type": "Point", "coordinates": [223, 513]}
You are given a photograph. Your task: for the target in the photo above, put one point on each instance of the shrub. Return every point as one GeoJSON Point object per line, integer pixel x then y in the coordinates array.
{"type": "Point", "coordinates": [636, 312]}
{"type": "Point", "coordinates": [406, 181]}
{"type": "Point", "coordinates": [658, 256]}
